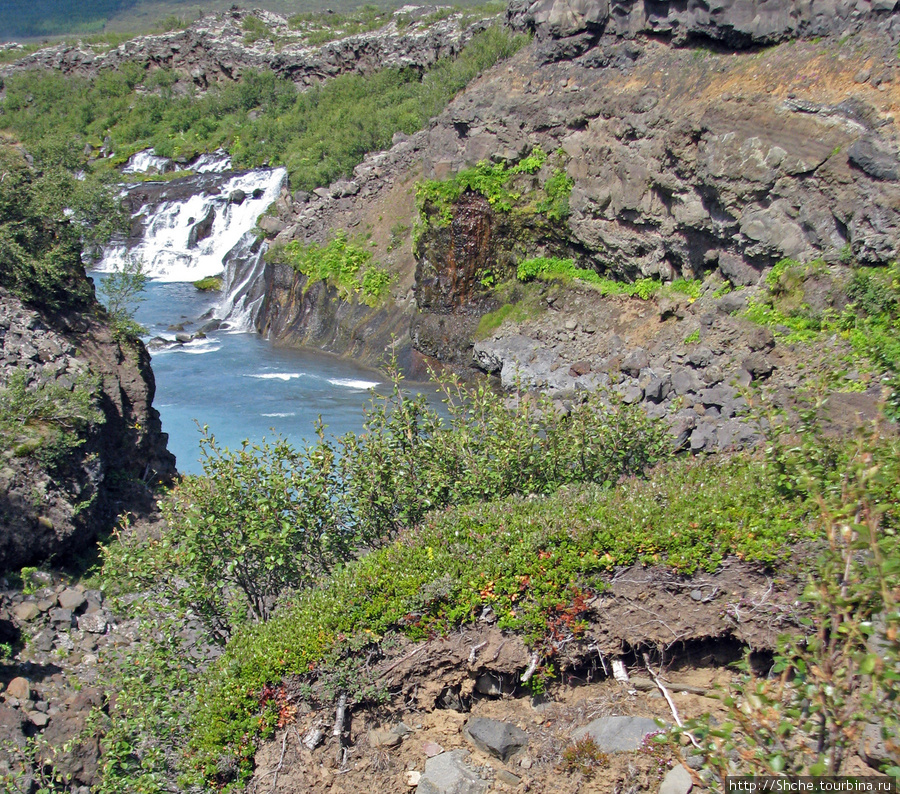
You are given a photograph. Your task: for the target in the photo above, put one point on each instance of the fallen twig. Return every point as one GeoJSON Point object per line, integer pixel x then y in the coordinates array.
{"type": "Point", "coordinates": [474, 651]}
{"type": "Point", "coordinates": [280, 762]}
{"type": "Point", "coordinates": [402, 659]}
{"type": "Point", "coordinates": [668, 697]}
{"type": "Point", "coordinates": [532, 666]}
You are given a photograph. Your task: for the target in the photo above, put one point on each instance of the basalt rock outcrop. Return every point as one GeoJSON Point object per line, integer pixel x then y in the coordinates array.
{"type": "Point", "coordinates": [55, 508]}
{"type": "Point", "coordinates": [701, 141]}
{"type": "Point", "coordinates": [217, 47]}
{"type": "Point", "coordinates": [735, 23]}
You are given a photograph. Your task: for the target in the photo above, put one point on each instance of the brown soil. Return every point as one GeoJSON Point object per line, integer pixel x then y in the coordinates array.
{"type": "Point", "coordinates": [691, 629]}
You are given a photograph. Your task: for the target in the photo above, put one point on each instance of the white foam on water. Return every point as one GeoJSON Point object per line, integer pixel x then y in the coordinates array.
{"type": "Point", "coordinates": [214, 163]}
{"type": "Point", "coordinates": [352, 383]}
{"type": "Point", "coordinates": [197, 348]}
{"type": "Point", "coordinates": [165, 247]}
{"type": "Point", "coordinates": [278, 416]}
{"type": "Point", "coordinates": [285, 376]}
{"type": "Point", "coordinates": [142, 162]}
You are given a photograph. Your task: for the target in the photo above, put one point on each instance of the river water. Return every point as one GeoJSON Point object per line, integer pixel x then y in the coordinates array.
{"type": "Point", "coordinates": [232, 380]}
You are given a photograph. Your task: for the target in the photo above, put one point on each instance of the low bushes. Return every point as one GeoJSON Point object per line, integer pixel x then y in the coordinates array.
{"type": "Point", "coordinates": [340, 262]}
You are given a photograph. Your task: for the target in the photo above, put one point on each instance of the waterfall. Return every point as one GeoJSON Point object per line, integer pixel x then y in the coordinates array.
{"type": "Point", "coordinates": [201, 225]}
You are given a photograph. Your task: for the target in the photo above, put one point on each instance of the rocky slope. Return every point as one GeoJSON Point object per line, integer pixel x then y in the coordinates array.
{"type": "Point", "coordinates": [699, 143]}
{"type": "Point", "coordinates": [53, 508]}
{"type": "Point", "coordinates": [218, 48]}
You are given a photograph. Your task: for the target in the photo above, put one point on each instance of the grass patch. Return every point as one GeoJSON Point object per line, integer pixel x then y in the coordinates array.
{"type": "Point", "coordinates": [512, 312]}
{"type": "Point", "coordinates": [209, 284]}
{"type": "Point", "coordinates": [555, 269]}
{"type": "Point", "coordinates": [870, 322]}
{"type": "Point", "coordinates": [319, 28]}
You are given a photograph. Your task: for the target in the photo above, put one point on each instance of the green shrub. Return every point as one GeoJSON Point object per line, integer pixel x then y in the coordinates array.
{"type": "Point", "coordinates": [319, 134]}
{"type": "Point", "coordinates": [46, 420]}
{"type": "Point", "coordinates": [825, 688]}
{"type": "Point", "coordinates": [410, 460]}
{"type": "Point", "coordinates": [124, 288]}
{"type": "Point", "coordinates": [261, 521]}
{"type": "Point", "coordinates": [341, 263]}
{"type": "Point", "coordinates": [47, 218]}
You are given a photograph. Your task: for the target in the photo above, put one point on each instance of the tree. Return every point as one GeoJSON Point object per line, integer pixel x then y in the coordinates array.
{"type": "Point", "coordinates": [124, 288]}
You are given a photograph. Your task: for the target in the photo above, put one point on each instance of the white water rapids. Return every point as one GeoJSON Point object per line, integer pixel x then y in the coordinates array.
{"type": "Point", "coordinates": [203, 226]}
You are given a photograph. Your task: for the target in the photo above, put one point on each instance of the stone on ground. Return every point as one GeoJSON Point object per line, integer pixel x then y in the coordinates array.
{"type": "Point", "coordinates": [496, 738]}
{"type": "Point", "coordinates": [447, 774]}
{"type": "Point", "coordinates": [618, 734]}
{"type": "Point", "coordinates": [677, 781]}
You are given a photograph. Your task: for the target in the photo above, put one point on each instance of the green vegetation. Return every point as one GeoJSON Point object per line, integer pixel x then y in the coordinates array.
{"type": "Point", "coordinates": [583, 757]}
{"type": "Point", "coordinates": [255, 29]}
{"type": "Point", "coordinates": [687, 286]}
{"type": "Point", "coordinates": [341, 263]}
{"type": "Point", "coordinates": [262, 503]}
{"type": "Point", "coordinates": [534, 562]}
{"type": "Point", "coordinates": [516, 509]}
{"type": "Point", "coordinates": [320, 134]}
{"type": "Point", "coordinates": [123, 289]}
{"type": "Point", "coordinates": [47, 217]}
{"type": "Point", "coordinates": [870, 322]}
{"type": "Point", "coordinates": [319, 28]}
{"type": "Point", "coordinates": [807, 716]}
{"type": "Point", "coordinates": [553, 268]}
{"type": "Point", "coordinates": [490, 322]}
{"type": "Point", "coordinates": [209, 284]}
{"type": "Point", "coordinates": [46, 420]}
{"type": "Point", "coordinates": [506, 187]}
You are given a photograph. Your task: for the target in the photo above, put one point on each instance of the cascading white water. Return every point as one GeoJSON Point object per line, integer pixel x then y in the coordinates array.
{"type": "Point", "coordinates": [202, 226]}
{"type": "Point", "coordinates": [144, 162]}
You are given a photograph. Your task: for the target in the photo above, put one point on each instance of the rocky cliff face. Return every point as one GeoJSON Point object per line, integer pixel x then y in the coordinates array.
{"type": "Point", "coordinates": [217, 48]}
{"type": "Point", "coordinates": [736, 23]}
{"type": "Point", "coordinates": [693, 152]}
{"type": "Point", "coordinates": [55, 507]}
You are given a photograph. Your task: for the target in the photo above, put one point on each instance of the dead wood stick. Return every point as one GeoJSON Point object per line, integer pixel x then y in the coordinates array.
{"type": "Point", "coordinates": [403, 659]}
{"type": "Point", "coordinates": [339, 715]}
{"type": "Point", "coordinates": [280, 762]}
{"type": "Point", "coordinates": [474, 651]}
{"type": "Point", "coordinates": [668, 697]}
{"type": "Point", "coordinates": [532, 666]}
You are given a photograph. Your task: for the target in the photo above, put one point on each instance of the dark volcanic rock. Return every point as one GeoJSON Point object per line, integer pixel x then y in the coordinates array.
{"type": "Point", "coordinates": [737, 23]}
{"type": "Point", "coordinates": [46, 512]}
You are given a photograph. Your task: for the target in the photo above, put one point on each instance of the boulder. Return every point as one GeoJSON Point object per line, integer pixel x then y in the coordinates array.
{"type": "Point", "coordinates": [494, 737]}
{"type": "Point", "coordinates": [677, 781]}
{"type": "Point", "coordinates": [71, 599]}
{"type": "Point", "coordinates": [618, 734]}
{"type": "Point", "coordinates": [19, 688]}
{"type": "Point", "coordinates": [26, 611]}
{"type": "Point", "coordinates": [875, 157]}
{"type": "Point", "coordinates": [447, 773]}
